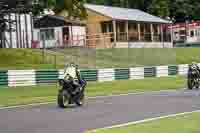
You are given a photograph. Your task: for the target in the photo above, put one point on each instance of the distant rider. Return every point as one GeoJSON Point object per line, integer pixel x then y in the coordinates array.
{"type": "Point", "coordinates": [195, 66]}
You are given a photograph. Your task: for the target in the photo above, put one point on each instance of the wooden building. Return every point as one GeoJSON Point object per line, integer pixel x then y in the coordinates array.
{"type": "Point", "coordinates": [113, 27]}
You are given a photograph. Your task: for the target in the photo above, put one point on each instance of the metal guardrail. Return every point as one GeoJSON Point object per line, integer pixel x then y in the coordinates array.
{"type": "Point", "coordinates": [33, 77]}
{"type": "Point", "coordinates": [3, 78]}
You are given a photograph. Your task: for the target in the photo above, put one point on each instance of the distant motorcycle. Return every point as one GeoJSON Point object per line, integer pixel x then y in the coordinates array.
{"type": "Point", "coordinates": [66, 96]}
{"type": "Point", "coordinates": [193, 78]}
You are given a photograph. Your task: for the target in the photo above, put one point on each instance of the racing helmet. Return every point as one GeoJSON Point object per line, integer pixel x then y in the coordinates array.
{"type": "Point", "coordinates": [194, 65]}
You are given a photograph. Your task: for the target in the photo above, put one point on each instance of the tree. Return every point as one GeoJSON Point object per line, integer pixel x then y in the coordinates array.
{"type": "Point", "coordinates": [160, 8]}
{"type": "Point", "coordinates": [178, 9]}
{"type": "Point", "coordinates": [75, 8]}
{"type": "Point", "coordinates": [184, 9]}
{"type": "Point", "coordinates": [40, 5]}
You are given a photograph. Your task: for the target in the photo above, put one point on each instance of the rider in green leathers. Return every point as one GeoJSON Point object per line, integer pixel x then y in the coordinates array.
{"type": "Point", "coordinates": [73, 73]}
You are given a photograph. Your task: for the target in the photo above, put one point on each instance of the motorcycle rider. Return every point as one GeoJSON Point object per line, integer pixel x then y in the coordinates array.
{"type": "Point", "coordinates": [195, 66]}
{"type": "Point", "coordinates": [73, 75]}
{"type": "Point", "coordinates": [77, 84]}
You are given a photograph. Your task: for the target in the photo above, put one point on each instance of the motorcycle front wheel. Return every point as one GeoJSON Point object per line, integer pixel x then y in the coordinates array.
{"type": "Point", "coordinates": [190, 84]}
{"type": "Point", "coordinates": [197, 84]}
{"type": "Point", "coordinates": [63, 98]}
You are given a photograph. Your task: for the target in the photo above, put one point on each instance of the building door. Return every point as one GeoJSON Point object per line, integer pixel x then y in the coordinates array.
{"type": "Point", "coordinates": [121, 31]}
{"type": "Point", "coordinates": [66, 36]}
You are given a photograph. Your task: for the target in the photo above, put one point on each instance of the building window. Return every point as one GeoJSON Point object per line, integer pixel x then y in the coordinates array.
{"type": "Point", "coordinates": [182, 32]}
{"type": "Point", "coordinates": [106, 27]}
{"type": "Point", "coordinates": [196, 32]}
{"type": "Point", "coordinates": [192, 33]}
{"type": "Point", "coordinates": [47, 34]}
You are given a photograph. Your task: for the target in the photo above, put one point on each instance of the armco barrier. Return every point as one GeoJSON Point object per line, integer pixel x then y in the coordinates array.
{"type": "Point", "coordinates": [89, 75]}
{"type": "Point", "coordinates": [121, 74]}
{"type": "Point", "coordinates": [32, 77]}
{"type": "Point", "coordinates": [3, 78]}
{"type": "Point", "coordinates": [149, 72]}
{"type": "Point", "coordinates": [21, 77]}
{"type": "Point", "coordinates": [172, 70]}
{"type": "Point", "coordinates": [136, 73]}
{"type": "Point", "coordinates": [162, 71]}
{"type": "Point", "coordinates": [46, 76]}
{"type": "Point", "coordinates": [106, 75]}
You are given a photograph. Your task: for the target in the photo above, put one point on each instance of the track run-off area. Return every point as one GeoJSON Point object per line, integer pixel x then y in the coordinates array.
{"type": "Point", "coordinates": [98, 112]}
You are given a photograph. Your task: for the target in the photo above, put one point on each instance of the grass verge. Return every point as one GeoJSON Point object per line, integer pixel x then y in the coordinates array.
{"type": "Point", "coordinates": [181, 124]}
{"type": "Point", "coordinates": [47, 93]}
{"type": "Point", "coordinates": [101, 58]}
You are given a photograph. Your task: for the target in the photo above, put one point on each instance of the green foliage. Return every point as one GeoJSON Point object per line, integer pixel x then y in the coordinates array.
{"type": "Point", "coordinates": [159, 8]}
{"type": "Point", "coordinates": [178, 9]}
{"type": "Point", "coordinates": [40, 5]}
{"type": "Point", "coordinates": [75, 8]}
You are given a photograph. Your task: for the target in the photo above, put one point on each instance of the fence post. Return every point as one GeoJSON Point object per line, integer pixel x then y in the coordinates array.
{"type": "Point", "coordinates": [104, 43]}
{"type": "Point", "coordinates": [43, 50]}
{"type": "Point", "coordinates": [162, 36]}
{"type": "Point", "coordinates": [55, 61]}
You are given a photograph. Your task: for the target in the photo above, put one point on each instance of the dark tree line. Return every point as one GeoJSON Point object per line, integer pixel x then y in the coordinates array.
{"type": "Point", "coordinates": [178, 10]}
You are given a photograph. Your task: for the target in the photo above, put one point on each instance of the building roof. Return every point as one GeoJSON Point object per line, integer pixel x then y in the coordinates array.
{"type": "Point", "coordinates": [54, 21]}
{"type": "Point", "coordinates": [13, 3]}
{"type": "Point", "coordinates": [125, 14]}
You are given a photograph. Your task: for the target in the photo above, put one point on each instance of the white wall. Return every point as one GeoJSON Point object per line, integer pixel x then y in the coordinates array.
{"type": "Point", "coordinates": [23, 31]}
{"type": "Point", "coordinates": [49, 43]}
{"type": "Point", "coordinates": [59, 36]}
{"type": "Point", "coordinates": [79, 35]}
{"type": "Point", "coordinates": [196, 37]}
{"type": "Point", "coordinates": [144, 45]}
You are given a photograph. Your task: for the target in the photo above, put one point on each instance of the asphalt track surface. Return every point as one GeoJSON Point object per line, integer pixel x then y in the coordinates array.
{"type": "Point", "coordinates": [97, 113]}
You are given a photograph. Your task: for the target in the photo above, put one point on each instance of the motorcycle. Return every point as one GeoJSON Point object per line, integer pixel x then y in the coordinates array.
{"type": "Point", "coordinates": [193, 78]}
{"type": "Point", "coordinates": [67, 97]}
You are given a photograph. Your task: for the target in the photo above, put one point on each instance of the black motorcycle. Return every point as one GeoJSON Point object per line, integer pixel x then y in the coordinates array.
{"type": "Point", "coordinates": [66, 96]}
{"type": "Point", "coordinates": [193, 78]}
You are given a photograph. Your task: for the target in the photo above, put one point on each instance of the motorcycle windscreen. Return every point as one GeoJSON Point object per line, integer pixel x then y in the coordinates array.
{"type": "Point", "coordinates": [70, 71]}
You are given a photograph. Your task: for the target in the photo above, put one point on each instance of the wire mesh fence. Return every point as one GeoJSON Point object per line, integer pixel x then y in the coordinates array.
{"type": "Point", "coordinates": [99, 50]}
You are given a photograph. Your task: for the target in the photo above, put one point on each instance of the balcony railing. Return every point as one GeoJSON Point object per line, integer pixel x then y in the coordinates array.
{"type": "Point", "coordinates": [144, 37]}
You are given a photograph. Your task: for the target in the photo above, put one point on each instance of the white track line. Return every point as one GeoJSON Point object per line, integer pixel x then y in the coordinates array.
{"type": "Point", "coordinates": [97, 97]}
{"type": "Point", "coordinates": [136, 93]}
{"type": "Point", "coordinates": [23, 106]}
{"type": "Point", "coordinates": [143, 121]}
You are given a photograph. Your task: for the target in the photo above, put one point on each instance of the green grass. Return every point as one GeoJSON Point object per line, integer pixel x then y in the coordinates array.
{"type": "Point", "coordinates": [181, 124]}
{"type": "Point", "coordinates": [48, 93]}
{"type": "Point", "coordinates": [23, 59]}
{"type": "Point", "coordinates": [123, 58]}
{"type": "Point", "coordinates": [88, 58]}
